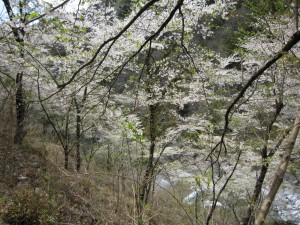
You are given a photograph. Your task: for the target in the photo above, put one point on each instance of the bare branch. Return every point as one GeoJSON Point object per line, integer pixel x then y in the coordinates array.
{"type": "Point", "coordinates": [51, 10]}
{"type": "Point", "coordinates": [112, 39]}
{"type": "Point", "coordinates": [295, 38]}
{"type": "Point", "coordinates": [215, 200]}
{"type": "Point", "coordinates": [116, 37]}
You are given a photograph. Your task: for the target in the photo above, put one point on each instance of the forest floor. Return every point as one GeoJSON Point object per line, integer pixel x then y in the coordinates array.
{"type": "Point", "coordinates": [34, 187]}
{"type": "Point", "coordinates": [21, 168]}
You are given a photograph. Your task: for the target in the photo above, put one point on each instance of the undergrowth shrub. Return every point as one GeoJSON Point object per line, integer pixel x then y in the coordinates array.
{"type": "Point", "coordinates": [29, 207]}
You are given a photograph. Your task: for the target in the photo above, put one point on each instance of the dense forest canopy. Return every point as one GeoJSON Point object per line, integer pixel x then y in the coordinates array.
{"type": "Point", "coordinates": [187, 108]}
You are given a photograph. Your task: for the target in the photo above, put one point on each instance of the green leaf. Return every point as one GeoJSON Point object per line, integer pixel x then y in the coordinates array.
{"type": "Point", "coordinates": [58, 37]}
{"type": "Point", "coordinates": [193, 71]}
{"type": "Point", "coordinates": [32, 15]}
{"type": "Point", "coordinates": [198, 180]}
{"type": "Point", "coordinates": [49, 4]}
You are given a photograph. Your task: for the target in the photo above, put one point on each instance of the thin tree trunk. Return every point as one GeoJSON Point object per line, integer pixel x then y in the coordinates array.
{"type": "Point", "coordinates": [249, 219]}
{"type": "Point", "coordinates": [66, 158]}
{"type": "Point", "coordinates": [78, 134]}
{"type": "Point", "coordinates": [281, 170]}
{"type": "Point", "coordinates": [20, 110]}
{"type": "Point", "coordinates": [149, 171]}
{"type": "Point", "coordinates": [256, 193]}
{"type": "Point", "coordinates": [148, 177]}
{"type": "Point", "coordinates": [19, 34]}
{"type": "Point", "coordinates": [297, 14]}
{"type": "Point", "coordinates": [67, 141]}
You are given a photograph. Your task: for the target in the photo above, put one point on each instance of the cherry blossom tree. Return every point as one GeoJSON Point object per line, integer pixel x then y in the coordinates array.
{"type": "Point", "coordinates": [132, 76]}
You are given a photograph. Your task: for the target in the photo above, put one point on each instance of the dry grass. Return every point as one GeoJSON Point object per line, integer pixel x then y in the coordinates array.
{"type": "Point", "coordinates": [81, 198]}
{"type": "Point", "coordinates": [94, 197]}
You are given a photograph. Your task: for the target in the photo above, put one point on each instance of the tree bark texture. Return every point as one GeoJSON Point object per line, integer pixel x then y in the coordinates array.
{"type": "Point", "coordinates": [256, 193]}
{"type": "Point", "coordinates": [20, 102]}
{"type": "Point", "coordinates": [297, 14]}
{"type": "Point", "coordinates": [66, 158]}
{"type": "Point", "coordinates": [78, 134]}
{"type": "Point", "coordinates": [66, 138]}
{"type": "Point", "coordinates": [148, 177]}
{"type": "Point", "coordinates": [20, 110]}
{"type": "Point", "coordinates": [249, 219]}
{"type": "Point", "coordinates": [278, 178]}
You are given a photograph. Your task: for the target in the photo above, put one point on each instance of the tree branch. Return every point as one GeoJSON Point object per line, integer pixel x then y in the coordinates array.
{"type": "Point", "coordinates": [278, 178]}
{"type": "Point", "coordinates": [43, 15]}
{"type": "Point", "coordinates": [295, 38]}
{"type": "Point", "coordinates": [113, 39]}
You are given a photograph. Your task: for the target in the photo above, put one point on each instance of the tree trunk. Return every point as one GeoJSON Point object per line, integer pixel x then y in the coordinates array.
{"type": "Point", "coordinates": [281, 170]}
{"type": "Point", "coordinates": [19, 33]}
{"type": "Point", "coordinates": [297, 14]}
{"type": "Point", "coordinates": [66, 159]}
{"type": "Point", "coordinates": [20, 110]}
{"type": "Point", "coordinates": [249, 219]}
{"type": "Point", "coordinates": [78, 134]}
{"type": "Point", "coordinates": [67, 141]}
{"type": "Point", "coordinates": [254, 198]}
{"type": "Point", "coordinates": [148, 177]}
{"type": "Point", "coordinates": [149, 171]}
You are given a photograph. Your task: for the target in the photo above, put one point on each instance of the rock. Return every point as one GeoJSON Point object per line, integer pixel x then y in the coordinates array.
{"type": "Point", "coordinates": [38, 190]}
{"type": "Point", "coordinates": [190, 199]}
{"type": "Point", "coordinates": [234, 65]}
{"type": "Point", "coordinates": [286, 206]}
{"type": "Point", "coordinates": [189, 109]}
{"type": "Point", "coordinates": [183, 174]}
{"type": "Point", "coordinates": [35, 165]}
{"type": "Point", "coordinates": [58, 49]}
{"type": "Point", "coordinates": [255, 168]}
{"type": "Point", "coordinates": [162, 182]}
{"type": "Point", "coordinates": [295, 182]}
{"type": "Point", "coordinates": [208, 203]}
{"type": "Point", "coordinates": [21, 178]}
